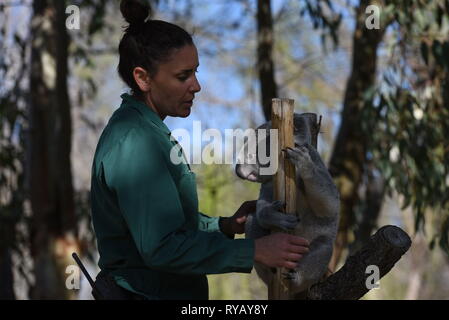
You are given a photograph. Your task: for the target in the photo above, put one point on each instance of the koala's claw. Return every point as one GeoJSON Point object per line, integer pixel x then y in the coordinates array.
{"type": "Point", "coordinates": [298, 153]}
{"type": "Point", "coordinates": [278, 204]}
{"type": "Point", "coordinates": [271, 217]}
{"type": "Point", "coordinates": [289, 223]}
{"type": "Point", "coordinates": [290, 275]}
{"type": "Point", "coordinates": [300, 157]}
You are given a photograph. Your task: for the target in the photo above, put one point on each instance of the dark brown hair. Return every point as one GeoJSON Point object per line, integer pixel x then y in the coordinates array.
{"type": "Point", "coordinates": [146, 43]}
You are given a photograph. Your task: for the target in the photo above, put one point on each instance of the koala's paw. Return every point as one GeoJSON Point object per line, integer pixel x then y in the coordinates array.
{"type": "Point", "coordinates": [290, 275]}
{"type": "Point", "coordinates": [300, 157]}
{"type": "Point", "coordinates": [270, 217]}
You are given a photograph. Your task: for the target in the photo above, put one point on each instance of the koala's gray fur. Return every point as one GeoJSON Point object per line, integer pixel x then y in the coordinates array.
{"type": "Point", "coordinates": [318, 207]}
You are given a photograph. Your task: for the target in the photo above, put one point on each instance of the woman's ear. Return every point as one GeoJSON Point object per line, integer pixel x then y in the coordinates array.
{"type": "Point", "coordinates": [142, 78]}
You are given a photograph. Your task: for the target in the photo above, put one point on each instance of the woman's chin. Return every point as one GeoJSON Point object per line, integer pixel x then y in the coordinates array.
{"type": "Point", "coordinates": [185, 112]}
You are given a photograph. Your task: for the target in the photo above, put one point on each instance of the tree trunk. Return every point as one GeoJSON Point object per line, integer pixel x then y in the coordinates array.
{"type": "Point", "coordinates": [383, 250]}
{"type": "Point", "coordinates": [373, 198]}
{"type": "Point", "coordinates": [349, 151]}
{"type": "Point", "coordinates": [48, 152]}
{"type": "Point", "coordinates": [265, 65]}
{"type": "Point", "coordinates": [8, 151]}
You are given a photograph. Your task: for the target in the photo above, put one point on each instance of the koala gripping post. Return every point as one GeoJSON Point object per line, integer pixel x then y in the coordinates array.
{"type": "Point", "coordinates": [284, 183]}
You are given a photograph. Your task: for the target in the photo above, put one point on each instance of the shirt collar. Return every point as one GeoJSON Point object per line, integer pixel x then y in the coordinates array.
{"type": "Point", "coordinates": [146, 112]}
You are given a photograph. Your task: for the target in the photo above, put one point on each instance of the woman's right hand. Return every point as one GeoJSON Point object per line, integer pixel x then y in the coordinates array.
{"type": "Point", "coordinates": [279, 250]}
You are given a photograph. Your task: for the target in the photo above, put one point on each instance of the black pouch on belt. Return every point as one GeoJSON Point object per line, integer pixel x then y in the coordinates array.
{"type": "Point", "coordinates": [105, 288]}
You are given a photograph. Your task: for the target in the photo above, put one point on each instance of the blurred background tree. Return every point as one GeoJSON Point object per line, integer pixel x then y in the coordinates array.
{"type": "Point", "coordinates": [383, 94]}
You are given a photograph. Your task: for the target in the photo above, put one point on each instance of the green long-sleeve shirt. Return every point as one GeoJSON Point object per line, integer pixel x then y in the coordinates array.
{"type": "Point", "coordinates": [150, 235]}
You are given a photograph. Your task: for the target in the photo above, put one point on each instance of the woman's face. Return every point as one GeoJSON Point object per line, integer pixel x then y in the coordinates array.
{"type": "Point", "coordinates": [172, 89]}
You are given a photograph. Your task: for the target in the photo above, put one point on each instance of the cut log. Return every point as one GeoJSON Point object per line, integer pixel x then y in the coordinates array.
{"type": "Point", "coordinates": [383, 250]}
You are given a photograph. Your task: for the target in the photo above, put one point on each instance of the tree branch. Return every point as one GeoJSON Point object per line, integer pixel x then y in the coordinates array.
{"type": "Point", "coordinates": [384, 249]}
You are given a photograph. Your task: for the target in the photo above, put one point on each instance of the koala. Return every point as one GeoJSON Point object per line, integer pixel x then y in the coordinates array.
{"type": "Point", "coordinates": [318, 206]}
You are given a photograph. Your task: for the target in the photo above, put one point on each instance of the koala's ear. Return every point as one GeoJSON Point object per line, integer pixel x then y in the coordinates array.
{"type": "Point", "coordinates": [303, 127]}
{"type": "Point", "coordinates": [298, 121]}
{"type": "Point", "coordinates": [304, 119]}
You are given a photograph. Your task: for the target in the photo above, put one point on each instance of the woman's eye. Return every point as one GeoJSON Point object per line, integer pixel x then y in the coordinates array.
{"type": "Point", "coordinates": [185, 77]}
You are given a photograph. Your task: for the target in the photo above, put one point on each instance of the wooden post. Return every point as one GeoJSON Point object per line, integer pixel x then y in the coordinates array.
{"type": "Point", "coordinates": [284, 182]}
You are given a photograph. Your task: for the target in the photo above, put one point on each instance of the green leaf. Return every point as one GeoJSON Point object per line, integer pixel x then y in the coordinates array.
{"type": "Point", "coordinates": [440, 15]}
{"type": "Point", "coordinates": [444, 238]}
{"type": "Point", "coordinates": [407, 201]}
{"type": "Point", "coordinates": [419, 217]}
{"type": "Point", "coordinates": [425, 52]}
{"type": "Point", "coordinates": [446, 55]}
{"type": "Point", "coordinates": [437, 50]}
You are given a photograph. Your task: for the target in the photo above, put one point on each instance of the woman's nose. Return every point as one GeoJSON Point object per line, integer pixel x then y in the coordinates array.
{"type": "Point", "coordinates": [195, 86]}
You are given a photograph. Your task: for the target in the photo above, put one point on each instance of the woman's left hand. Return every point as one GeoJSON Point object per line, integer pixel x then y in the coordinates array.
{"type": "Point", "coordinates": [236, 224]}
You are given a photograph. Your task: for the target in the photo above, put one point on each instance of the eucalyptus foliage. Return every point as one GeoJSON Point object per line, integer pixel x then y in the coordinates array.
{"type": "Point", "coordinates": [407, 113]}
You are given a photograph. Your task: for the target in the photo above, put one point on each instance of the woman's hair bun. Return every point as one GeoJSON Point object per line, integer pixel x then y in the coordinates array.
{"type": "Point", "coordinates": [135, 11]}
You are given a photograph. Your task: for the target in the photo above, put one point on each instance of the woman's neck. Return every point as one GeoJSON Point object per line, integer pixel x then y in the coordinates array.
{"type": "Point", "coordinates": [146, 99]}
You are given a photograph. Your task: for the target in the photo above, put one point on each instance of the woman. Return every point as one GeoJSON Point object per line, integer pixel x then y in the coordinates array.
{"type": "Point", "coordinates": [152, 240]}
